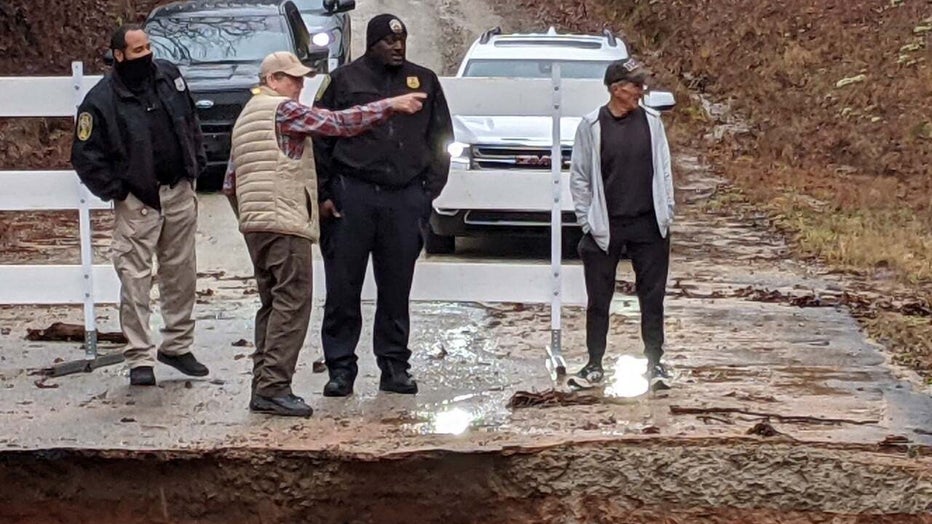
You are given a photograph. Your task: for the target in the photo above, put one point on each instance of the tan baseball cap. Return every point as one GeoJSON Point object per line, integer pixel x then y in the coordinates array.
{"type": "Point", "coordinates": [283, 62]}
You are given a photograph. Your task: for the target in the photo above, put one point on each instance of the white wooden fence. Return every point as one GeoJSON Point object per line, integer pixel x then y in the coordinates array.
{"type": "Point", "coordinates": [87, 284]}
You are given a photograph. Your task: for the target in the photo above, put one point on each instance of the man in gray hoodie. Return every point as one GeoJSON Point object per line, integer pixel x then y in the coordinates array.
{"type": "Point", "coordinates": [622, 188]}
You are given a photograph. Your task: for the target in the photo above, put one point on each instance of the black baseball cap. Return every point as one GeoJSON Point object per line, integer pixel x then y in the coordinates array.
{"type": "Point", "coordinates": [626, 70]}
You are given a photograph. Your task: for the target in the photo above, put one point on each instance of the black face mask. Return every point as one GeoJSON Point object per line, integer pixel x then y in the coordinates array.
{"type": "Point", "coordinates": [136, 71]}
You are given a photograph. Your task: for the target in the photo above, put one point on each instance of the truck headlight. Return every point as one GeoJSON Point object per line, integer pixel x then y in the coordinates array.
{"type": "Point", "coordinates": [457, 150]}
{"type": "Point", "coordinates": [322, 39]}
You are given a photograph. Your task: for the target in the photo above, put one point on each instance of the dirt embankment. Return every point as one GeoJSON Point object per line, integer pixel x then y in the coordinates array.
{"type": "Point", "coordinates": [709, 482]}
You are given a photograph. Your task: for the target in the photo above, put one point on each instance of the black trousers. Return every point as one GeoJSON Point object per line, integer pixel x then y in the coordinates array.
{"type": "Point", "coordinates": [386, 223]}
{"type": "Point", "coordinates": [650, 256]}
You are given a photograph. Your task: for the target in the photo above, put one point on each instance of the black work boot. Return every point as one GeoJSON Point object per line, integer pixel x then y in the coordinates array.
{"type": "Point", "coordinates": [339, 385]}
{"type": "Point", "coordinates": [252, 397]}
{"type": "Point", "coordinates": [142, 376]}
{"type": "Point", "coordinates": [285, 405]}
{"type": "Point", "coordinates": [396, 379]}
{"type": "Point", "coordinates": [185, 363]}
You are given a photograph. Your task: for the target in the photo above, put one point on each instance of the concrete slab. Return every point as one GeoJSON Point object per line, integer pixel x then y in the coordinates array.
{"type": "Point", "coordinates": [737, 362]}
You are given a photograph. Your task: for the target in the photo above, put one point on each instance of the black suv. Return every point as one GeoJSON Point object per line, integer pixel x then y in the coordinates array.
{"type": "Point", "coordinates": [218, 45]}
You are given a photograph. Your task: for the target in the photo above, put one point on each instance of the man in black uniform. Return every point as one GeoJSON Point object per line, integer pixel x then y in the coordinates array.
{"type": "Point", "coordinates": [376, 191]}
{"type": "Point", "coordinates": [138, 142]}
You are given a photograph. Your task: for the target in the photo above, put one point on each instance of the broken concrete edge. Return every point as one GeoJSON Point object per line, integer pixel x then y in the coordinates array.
{"type": "Point", "coordinates": [897, 449]}
{"type": "Point", "coordinates": [506, 484]}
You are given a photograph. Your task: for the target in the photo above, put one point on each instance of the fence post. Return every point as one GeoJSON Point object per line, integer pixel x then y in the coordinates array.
{"type": "Point", "coordinates": [84, 218]}
{"type": "Point", "coordinates": [556, 363]}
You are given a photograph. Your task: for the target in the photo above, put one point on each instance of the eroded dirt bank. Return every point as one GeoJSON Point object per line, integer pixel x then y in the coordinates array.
{"type": "Point", "coordinates": [656, 480]}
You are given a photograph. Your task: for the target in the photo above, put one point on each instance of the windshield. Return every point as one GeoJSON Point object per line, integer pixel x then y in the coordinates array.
{"type": "Point", "coordinates": [534, 68]}
{"type": "Point", "coordinates": [310, 6]}
{"type": "Point", "coordinates": [187, 40]}
{"type": "Point", "coordinates": [316, 21]}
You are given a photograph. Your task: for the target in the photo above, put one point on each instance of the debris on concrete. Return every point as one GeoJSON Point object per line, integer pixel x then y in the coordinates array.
{"type": "Point", "coordinates": [797, 419]}
{"type": "Point", "coordinates": [62, 332]}
{"type": "Point", "coordinates": [550, 398]}
{"type": "Point", "coordinates": [764, 429]}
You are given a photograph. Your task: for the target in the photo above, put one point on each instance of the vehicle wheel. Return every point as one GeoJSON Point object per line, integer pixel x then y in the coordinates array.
{"type": "Point", "coordinates": [439, 244]}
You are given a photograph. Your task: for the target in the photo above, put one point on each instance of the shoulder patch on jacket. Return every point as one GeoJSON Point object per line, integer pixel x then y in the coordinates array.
{"type": "Point", "coordinates": [179, 84]}
{"type": "Point", "coordinates": [85, 126]}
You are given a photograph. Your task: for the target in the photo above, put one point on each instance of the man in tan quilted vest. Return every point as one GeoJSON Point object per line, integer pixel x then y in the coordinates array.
{"type": "Point", "coordinates": [273, 185]}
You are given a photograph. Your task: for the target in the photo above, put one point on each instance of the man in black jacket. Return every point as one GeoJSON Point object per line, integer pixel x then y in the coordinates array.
{"type": "Point", "coordinates": [138, 142]}
{"type": "Point", "coordinates": [376, 191]}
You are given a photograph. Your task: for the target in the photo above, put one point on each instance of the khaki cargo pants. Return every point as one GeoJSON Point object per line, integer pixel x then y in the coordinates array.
{"type": "Point", "coordinates": [139, 234]}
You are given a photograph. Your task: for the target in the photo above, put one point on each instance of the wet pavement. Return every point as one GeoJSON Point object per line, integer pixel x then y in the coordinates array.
{"type": "Point", "coordinates": [809, 371]}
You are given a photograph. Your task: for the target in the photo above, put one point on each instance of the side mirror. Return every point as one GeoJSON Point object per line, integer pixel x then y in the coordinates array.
{"type": "Point", "coordinates": [108, 57]}
{"type": "Point", "coordinates": [339, 6]}
{"type": "Point", "coordinates": [317, 59]}
{"type": "Point", "coordinates": [659, 100]}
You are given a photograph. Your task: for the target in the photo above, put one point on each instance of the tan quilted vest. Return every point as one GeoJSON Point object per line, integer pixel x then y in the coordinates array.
{"type": "Point", "coordinates": [276, 194]}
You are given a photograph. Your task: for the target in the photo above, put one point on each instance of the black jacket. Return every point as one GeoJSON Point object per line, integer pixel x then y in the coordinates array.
{"type": "Point", "coordinates": [406, 148]}
{"type": "Point", "coordinates": [112, 147]}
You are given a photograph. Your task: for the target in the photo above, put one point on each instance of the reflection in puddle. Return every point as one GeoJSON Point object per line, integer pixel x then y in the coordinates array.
{"type": "Point", "coordinates": [453, 422]}
{"type": "Point", "coordinates": [628, 378]}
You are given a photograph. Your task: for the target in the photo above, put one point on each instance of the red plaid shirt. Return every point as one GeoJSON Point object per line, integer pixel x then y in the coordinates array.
{"type": "Point", "coordinates": [295, 121]}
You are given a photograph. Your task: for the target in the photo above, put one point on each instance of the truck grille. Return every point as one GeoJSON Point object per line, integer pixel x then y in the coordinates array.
{"type": "Point", "coordinates": [515, 218]}
{"type": "Point", "coordinates": [511, 157]}
{"type": "Point", "coordinates": [219, 118]}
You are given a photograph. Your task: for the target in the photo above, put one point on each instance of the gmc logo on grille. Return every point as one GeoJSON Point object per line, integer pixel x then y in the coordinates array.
{"type": "Point", "coordinates": [532, 160]}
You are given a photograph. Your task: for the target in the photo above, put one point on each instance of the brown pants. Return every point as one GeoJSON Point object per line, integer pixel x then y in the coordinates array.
{"type": "Point", "coordinates": [284, 271]}
{"type": "Point", "coordinates": [139, 233]}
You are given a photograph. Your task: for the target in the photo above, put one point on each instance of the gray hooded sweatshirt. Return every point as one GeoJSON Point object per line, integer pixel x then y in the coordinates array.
{"type": "Point", "coordinates": [587, 185]}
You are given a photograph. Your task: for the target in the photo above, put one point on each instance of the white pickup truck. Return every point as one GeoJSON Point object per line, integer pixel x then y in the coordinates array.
{"type": "Point", "coordinates": [501, 162]}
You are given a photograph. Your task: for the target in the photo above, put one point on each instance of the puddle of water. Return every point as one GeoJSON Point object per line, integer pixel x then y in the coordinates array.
{"type": "Point", "coordinates": [628, 378]}
{"type": "Point", "coordinates": [452, 417]}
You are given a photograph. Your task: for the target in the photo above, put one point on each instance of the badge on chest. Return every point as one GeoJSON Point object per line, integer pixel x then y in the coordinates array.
{"type": "Point", "coordinates": [414, 82]}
